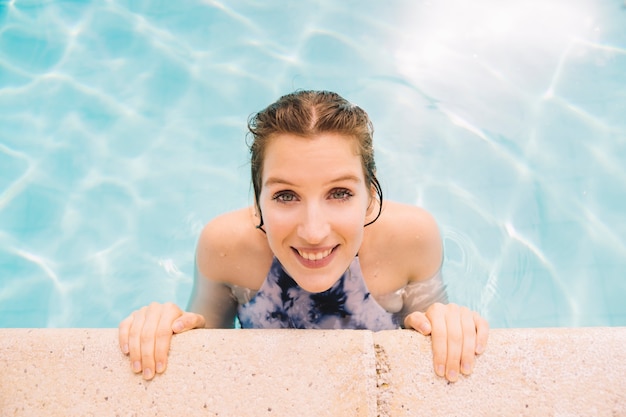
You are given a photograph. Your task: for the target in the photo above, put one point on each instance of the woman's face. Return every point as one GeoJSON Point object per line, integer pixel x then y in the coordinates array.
{"type": "Point", "coordinates": [314, 203]}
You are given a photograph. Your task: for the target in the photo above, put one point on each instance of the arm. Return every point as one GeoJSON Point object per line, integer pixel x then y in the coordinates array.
{"type": "Point", "coordinates": [458, 334]}
{"type": "Point", "coordinates": [419, 295]}
{"type": "Point", "coordinates": [214, 301]}
{"type": "Point", "coordinates": [146, 334]}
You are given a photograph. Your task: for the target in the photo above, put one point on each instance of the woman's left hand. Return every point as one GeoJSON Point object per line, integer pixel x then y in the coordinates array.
{"type": "Point", "coordinates": [458, 335]}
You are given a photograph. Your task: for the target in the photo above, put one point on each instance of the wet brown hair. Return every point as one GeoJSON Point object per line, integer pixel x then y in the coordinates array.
{"type": "Point", "coordinates": [308, 113]}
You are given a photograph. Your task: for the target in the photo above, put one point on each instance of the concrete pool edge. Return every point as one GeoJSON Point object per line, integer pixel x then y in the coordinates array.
{"type": "Point", "coordinates": [72, 372]}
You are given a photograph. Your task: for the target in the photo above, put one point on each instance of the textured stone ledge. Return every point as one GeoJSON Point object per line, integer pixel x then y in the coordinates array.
{"type": "Point", "coordinates": [534, 372]}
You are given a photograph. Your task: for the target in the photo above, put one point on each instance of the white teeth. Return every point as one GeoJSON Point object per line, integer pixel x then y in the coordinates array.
{"type": "Point", "coordinates": [314, 256]}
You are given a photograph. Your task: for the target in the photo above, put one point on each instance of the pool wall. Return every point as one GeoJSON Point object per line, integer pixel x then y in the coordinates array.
{"type": "Point", "coordinates": [526, 372]}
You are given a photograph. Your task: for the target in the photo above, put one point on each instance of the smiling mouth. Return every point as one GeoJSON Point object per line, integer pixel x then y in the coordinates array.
{"type": "Point", "coordinates": [315, 256]}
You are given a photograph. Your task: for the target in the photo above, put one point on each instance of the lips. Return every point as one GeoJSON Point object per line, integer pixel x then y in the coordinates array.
{"type": "Point", "coordinates": [315, 258]}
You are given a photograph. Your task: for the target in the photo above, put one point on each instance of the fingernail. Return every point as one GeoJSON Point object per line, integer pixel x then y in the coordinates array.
{"type": "Point", "coordinates": [147, 373]}
{"type": "Point", "coordinates": [466, 368]}
{"type": "Point", "coordinates": [440, 370]}
{"type": "Point", "coordinates": [452, 375]}
{"type": "Point", "coordinates": [480, 349]}
{"type": "Point", "coordinates": [177, 326]}
{"type": "Point", "coordinates": [125, 349]}
{"type": "Point", "coordinates": [136, 366]}
{"type": "Point", "coordinates": [425, 328]}
{"type": "Point", "coordinates": [159, 367]}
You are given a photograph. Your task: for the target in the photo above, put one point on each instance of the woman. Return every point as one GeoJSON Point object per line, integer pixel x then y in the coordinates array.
{"type": "Point", "coordinates": [319, 248]}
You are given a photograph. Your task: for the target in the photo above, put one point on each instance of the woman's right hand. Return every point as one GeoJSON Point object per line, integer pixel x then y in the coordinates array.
{"type": "Point", "coordinates": [146, 334]}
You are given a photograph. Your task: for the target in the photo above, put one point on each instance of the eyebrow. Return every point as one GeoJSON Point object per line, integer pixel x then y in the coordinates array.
{"type": "Point", "coordinates": [346, 177]}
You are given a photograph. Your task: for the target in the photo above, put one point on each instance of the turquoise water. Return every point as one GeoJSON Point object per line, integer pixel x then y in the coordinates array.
{"type": "Point", "coordinates": [122, 131]}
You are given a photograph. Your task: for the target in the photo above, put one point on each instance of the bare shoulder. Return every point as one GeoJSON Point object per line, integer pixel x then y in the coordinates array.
{"type": "Point", "coordinates": [225, 231]}
{"type": "Point", "coordinates": [231, 250]}
{"type": "Point", "coordinates": [412, 235]}
{"type": "Point", "coordinates": [412, 224]}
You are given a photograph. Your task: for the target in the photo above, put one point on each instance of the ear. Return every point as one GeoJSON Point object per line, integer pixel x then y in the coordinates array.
{"type": "Point", "coordinates": [257, 211]}
{"type": "Point", "coordinates": [372, 207]}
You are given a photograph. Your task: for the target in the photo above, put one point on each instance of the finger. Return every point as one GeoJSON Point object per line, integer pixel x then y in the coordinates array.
{"type": "Point", "coordinates": [454, 342]}
{"type": "Point", "coordinates": [418, 321]}
{"type": "Point", "coordinates": [188, 321]}
{"type": "Point", "coordinates": [148, 336]}
{"type": "Point", "coordinates": [469, 341]}
{"type": "Point", "coordinates": [163, 336]}
{"type": "Point", "coordinates": [439, 337]}
{"type": "Point", "coordinates": [134, 339]}
{"type": "Point", "coordinates": [482, 333]}
{"type": "Point", "coordinates": [123, 330]}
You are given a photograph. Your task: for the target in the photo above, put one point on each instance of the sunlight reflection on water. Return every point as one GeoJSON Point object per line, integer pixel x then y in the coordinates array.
{"type": "Point", "coordinates": [122, 131]}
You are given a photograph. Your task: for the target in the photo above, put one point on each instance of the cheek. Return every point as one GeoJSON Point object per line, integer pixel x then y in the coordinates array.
{"type": "Point", "coordinates": [350, 222]}
{"type": "Point", "coordinates": [278, 224]}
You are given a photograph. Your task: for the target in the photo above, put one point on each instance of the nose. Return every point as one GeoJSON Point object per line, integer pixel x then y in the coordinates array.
{"type": "Point", "coordinates": [314, 226]}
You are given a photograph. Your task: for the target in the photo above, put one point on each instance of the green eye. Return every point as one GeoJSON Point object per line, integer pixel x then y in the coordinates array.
{"type": "Point", "coordinates": [340, 194]}
{"type": "Point", "coordinates": [284, 197]}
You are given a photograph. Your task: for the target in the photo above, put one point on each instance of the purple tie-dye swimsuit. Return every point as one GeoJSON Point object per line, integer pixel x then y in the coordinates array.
{"type": "Point", "coordinates": [280, 303]}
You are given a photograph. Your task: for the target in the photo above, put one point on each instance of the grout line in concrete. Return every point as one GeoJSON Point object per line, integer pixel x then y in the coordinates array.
{"type": "Point", "coordinates": [384, 390]}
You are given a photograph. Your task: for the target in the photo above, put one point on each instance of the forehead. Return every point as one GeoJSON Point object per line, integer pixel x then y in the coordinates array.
{"type": "Point", "coordinates": [319, 155]}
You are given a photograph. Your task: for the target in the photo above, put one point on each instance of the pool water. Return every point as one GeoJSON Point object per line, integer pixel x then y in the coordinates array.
{"type": "Point", "coordinates": [122, 131]}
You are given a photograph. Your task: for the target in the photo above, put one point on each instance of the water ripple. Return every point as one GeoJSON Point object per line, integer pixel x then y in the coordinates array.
{"type": "Point", "coordinates": [122, 131]}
